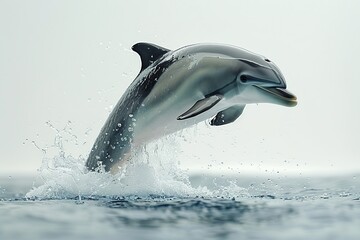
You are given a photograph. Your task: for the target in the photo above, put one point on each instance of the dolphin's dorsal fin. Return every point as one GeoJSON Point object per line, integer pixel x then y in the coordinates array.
{"type": "Point", "coordinates": [148, 53]}
{"type": "Point", "coordinates": [228, 115]}
{"type": "Point", "coordinates": [201, 106]}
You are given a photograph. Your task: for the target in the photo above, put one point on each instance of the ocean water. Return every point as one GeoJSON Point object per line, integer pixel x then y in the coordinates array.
{"type": "Point", "coordinates": [148, 203]}
{"type": "Point", "coordinates": [154, 198]}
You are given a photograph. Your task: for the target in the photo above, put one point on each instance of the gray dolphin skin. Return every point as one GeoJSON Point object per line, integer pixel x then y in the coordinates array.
{"type": "Point", "coordinates": [177, 89]}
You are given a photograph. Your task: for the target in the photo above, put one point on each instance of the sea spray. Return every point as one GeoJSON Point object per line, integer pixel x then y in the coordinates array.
{"type": "Point", "coordinates": [153, 170]}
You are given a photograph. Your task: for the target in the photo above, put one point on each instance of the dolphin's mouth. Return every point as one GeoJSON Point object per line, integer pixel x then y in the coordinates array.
{"type": "Point", "coordinates": [283, 95]}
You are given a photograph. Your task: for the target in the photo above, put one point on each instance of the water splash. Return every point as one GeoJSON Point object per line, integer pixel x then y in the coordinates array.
{"type": "Point", "coordinates": [153, 170]}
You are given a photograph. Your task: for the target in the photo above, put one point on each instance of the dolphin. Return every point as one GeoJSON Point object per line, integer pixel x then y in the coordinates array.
{"type": "Point", "coordinates": [177, 89]}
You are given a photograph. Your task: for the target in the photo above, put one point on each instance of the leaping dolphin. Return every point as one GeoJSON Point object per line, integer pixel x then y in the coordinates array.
{"type": "Point", "coordinates": [177, 89]}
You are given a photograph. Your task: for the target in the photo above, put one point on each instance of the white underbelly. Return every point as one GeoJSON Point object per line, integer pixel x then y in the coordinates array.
{"type": "Point", "coordinates": [159, 121]}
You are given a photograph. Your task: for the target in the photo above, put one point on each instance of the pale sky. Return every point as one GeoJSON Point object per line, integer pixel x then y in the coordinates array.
{"type": "Point", "coordinates": [64, 61]}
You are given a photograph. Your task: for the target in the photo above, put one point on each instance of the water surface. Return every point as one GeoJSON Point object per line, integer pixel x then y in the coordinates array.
{"type": "Point", "coordinates": [211, 207]}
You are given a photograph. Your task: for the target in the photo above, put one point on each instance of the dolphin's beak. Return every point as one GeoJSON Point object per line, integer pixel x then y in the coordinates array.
{"type": "Point", "coordinates": [280, 95]}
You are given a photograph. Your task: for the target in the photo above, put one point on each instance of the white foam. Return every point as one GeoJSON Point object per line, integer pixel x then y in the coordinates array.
{"type": "Point", "coordinates": [64, 176]}
{"type": "Point", "coordinates": [152, 170]}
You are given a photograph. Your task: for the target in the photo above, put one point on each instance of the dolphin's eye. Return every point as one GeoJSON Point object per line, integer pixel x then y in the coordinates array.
{"type": "Point", "coordinates": [267, 60]}
{"type": "Point", "coordinates": [243, 78]}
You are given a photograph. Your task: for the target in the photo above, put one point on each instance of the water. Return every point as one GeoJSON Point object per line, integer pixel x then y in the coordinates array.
{"type": "Point", "coordinates": [153, 198]}
{"type": "Point", "coordinates": [200, 207]}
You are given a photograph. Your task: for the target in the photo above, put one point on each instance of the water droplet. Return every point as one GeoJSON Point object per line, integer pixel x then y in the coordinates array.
{"type": "Point", "coordinates": [130, 129]}
{"type": "Point", "coordinates": [131, 115]}
{"type": "Point", "coordinates": [119, 124]}
{"type": "Point", "coordinates": [97, 157]}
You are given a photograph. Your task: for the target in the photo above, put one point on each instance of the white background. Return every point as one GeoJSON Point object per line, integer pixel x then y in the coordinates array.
{"type": "Point", "coordinates": [66, 61]}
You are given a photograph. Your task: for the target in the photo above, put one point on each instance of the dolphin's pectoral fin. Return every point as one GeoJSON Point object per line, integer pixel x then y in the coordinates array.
{"type": "Point", "coordinates": [200, 107]}
{"type": "Point", "coordinates": [149, 53]}
{"type": "Point", "coordinates": [228, 115]}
